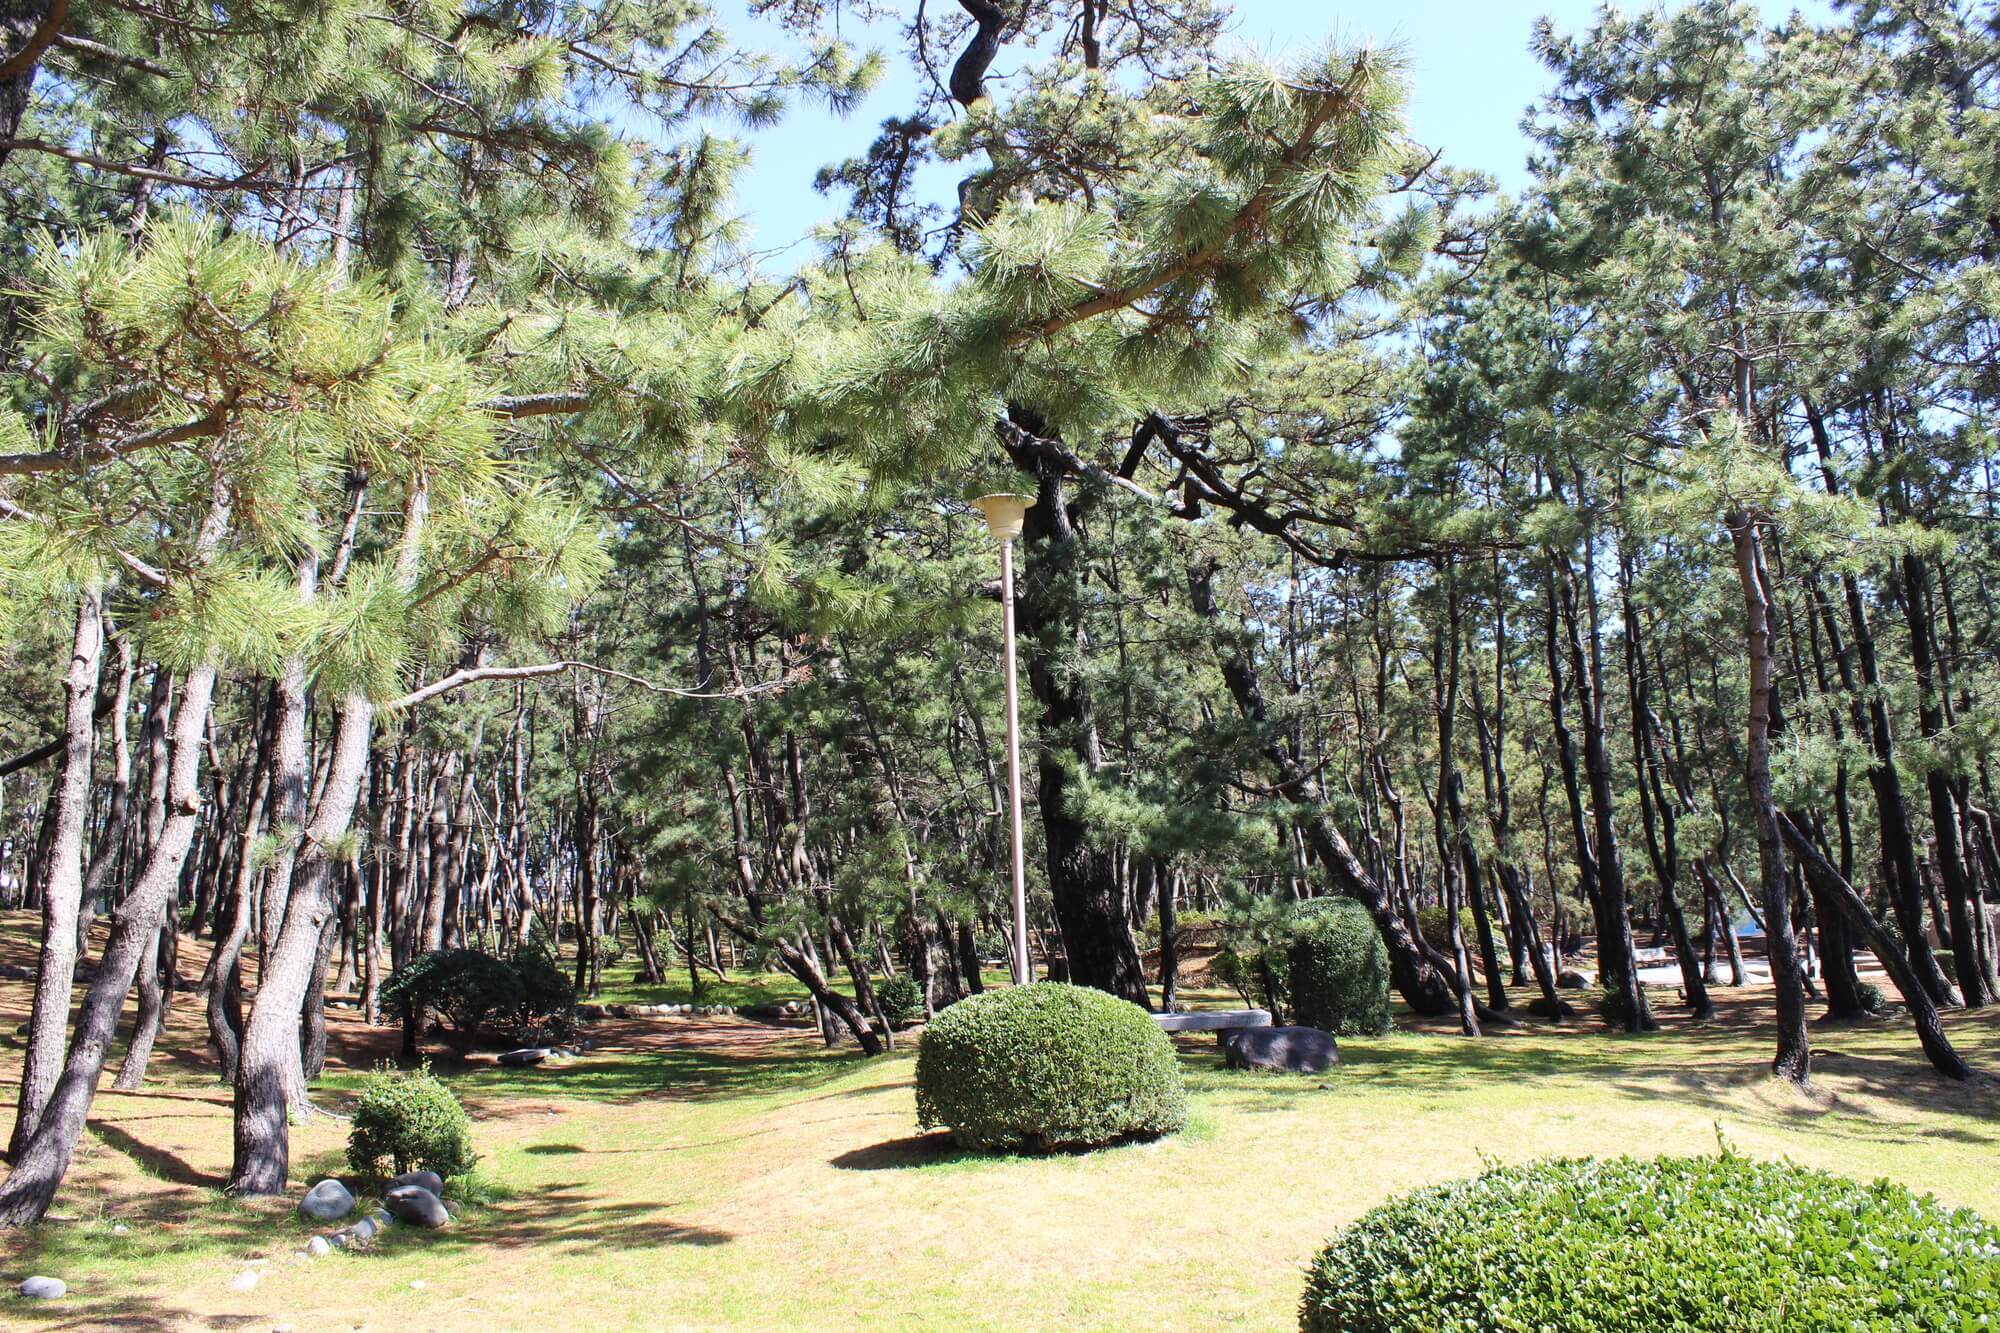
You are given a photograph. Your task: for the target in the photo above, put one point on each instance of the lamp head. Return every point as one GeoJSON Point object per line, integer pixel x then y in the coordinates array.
{"type": "Point", "coordinates": [1004, 513]}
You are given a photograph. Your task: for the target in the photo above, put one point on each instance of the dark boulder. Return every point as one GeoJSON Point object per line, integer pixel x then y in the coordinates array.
{"type": "Point", "coordinates": [425, 1180]}
{"type": "Point", "coordinates": [1286, 1050]}
{"type": "Point", "coordinates": [416, 1205]}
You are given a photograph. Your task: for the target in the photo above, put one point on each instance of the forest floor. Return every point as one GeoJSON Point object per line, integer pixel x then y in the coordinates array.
{"type": "Point", "coordinates": [713, 1172]}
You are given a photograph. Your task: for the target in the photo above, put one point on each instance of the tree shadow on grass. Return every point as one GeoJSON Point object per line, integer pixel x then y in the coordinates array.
{"type": "Point", "coordinates": [672, 1074]}
{"type": "Point", "coordinates": [916, 1150]}
{"type": "Point", "coordinates": [109, 1313]}
{"type": "Point", "coordinates": [154, 1161]}
{"type": "Point", "coordinates": [562, 1216]}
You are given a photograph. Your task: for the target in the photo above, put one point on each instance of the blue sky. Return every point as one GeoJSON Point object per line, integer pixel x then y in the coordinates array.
{"type": "Point", "coordinates": [1472, 77]}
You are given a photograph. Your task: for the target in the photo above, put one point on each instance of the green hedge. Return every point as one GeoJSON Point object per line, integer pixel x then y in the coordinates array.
{"type": "Point", "coordinates": [1721, 1243]}
{"type": "Point", "coordinates": [1047, 1066]}
{"type": "Point", "coordinates": [1338, 969]}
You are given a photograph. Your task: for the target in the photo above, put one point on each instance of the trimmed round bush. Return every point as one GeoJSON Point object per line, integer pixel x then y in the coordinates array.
{"type": "Point", "coordinates": [409, 1121]}
{"type": "Point", "coordinates": [901, 998]}
{"type": "Point", "coordinates": [1721, 1243]}
{"type": "Point", "coordinates": [1338, 969]}
{"type": "Point", "coordinates": [1047, 1065]}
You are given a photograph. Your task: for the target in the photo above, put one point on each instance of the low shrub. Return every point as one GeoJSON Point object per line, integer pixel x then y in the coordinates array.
{"type": "Point", "coordinates": [408, 1121]}
{"type": "Point", "coordinates": [1703, 1243]}
{"type": "Point", "coordinates": [1047, 1065]}
{"type": "Point", "coordinates": [901, 998]}
{"type": "Point", "coordinates": [547, 1009]}
{"type": "Point", "coordinates": [463, 987]}
{"type": "Point", "coordinates": [529, 999]}
{"type": "Point", "coordinates": [1434, 924]}
{"type": "Point", "coordinates": [1339, 969]}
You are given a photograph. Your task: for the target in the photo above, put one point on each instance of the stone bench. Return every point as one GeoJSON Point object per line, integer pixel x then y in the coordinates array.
{"type": "Point", "coordinates": [1214, 1020]}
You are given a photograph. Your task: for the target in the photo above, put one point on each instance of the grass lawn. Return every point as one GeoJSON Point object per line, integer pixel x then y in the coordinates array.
{"type": "Point", "coordinates": [714, 1172]}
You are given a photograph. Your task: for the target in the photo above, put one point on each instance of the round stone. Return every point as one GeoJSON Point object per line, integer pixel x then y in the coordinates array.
{"type": "Point", "coordinates": [328, 1201]}
{"type": "Point", "coordinates": [417, 1206]}
{"type": "Point", "coordinates": [428, 1180]}
{"type": "Point", "coordinates": [319, 1245]}
{"type": "Point", "coordinates": [43, 1288]}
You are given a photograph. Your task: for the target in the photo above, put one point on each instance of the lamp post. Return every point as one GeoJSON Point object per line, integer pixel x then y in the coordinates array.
{"type": "Point", "coordinates": [1004, 514]}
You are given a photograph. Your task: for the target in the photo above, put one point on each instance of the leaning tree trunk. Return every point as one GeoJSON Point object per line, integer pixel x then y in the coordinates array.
{"type": "Point", "coordinates": [1419, 982]}
{"type": "Point", "coordinates": [62, 882]}
{"type": "Point", "coordinates": [1923, 1013]}
{"type": "Point", "coordinates": [271, 1045]}
{"type": "Point", "coordinates": [40, 1166]}
{"type": "Point", "coordinates": [147, 1019]}
{"type": "Point", "coordinates": [1794, 1056]}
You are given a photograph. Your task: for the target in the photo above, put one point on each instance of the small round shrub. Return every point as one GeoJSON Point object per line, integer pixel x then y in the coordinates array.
{"type": "Point", "coordinates": [1047, 1065]}
{"type": "Point", "coordinates": [1339, 969]}
{"type": "Point", "coordinates": [1701, 1243]}
{"type": "Point", "coordinates": [408, 1121]}
{"type": "Point", "coordinates": [901, 998]}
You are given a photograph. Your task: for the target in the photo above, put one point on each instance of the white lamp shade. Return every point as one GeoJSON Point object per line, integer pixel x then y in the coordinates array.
{"type": "Point", "coordinates": [1004, 513]}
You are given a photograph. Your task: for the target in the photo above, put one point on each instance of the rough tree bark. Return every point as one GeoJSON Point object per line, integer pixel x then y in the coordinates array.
{"type": "Point", "coordinates": [62, 884]}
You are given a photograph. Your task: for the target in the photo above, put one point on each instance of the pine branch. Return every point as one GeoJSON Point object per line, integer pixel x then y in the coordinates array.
{"type": "Point", "coordinates": [474, 675]}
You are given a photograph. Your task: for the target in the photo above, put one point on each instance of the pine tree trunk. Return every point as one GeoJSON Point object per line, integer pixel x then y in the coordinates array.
{"type": "Point", "coordinates": [41, 1165]}
{"type": "Point", "coordinates": [1794, 1055]}
{"type": "Point", "coordinates": [1419, 982]}
{"type": "Point", "coordinates": [62, 893]}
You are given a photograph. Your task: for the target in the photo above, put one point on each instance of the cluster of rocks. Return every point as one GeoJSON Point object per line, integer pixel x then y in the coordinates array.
{"type": "Point", "coordinates": [415, 1198]}
{"type": "Point", "coordinates": [789, 1009]}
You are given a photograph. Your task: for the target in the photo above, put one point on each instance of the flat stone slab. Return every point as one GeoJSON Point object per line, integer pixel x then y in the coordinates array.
{"type": "Point", "coordinates": [1281, 1050]}
{"type": "Point", "coordinates": [1214, 1020]}
{"type": "Point", "coordinates": [526, 1056]}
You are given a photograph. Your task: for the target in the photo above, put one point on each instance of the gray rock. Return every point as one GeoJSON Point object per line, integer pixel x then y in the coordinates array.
{"type": "Point", "coordinates": [417, 1206]}
{"type": "Point", "coordinates": [1287, 1050]}
{"type": "Point", "coordinates": [44, 1288]}
{"type": "Point", "coordinates": [246, 1280]}
{"type": "Point", "coordinates": [428, 1180]}
{"type": "Point", "coordinates": [328, 1201]}
{"type": "Point", "coordinates": [527, 1055]}
{"type": "Point", "coordinates": [319, 1245]}
{"type": "Point", "coordinates": [1572, 979]}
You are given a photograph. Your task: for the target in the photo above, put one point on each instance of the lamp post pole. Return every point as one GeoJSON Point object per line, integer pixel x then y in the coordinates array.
{"type": "Point", "coordinates": [1014, 764]}
{"type": "Point", "coordinates": [1004, 516]}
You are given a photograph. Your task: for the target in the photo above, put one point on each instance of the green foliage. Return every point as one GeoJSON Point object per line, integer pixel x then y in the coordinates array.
{"type": "Point", "coordinates": [1339, 969]}
{"type": "Point", "coordinates": [1675, 1243]}
{"type": "Point", "coordinates": [464, 987]}
{"type": "Point", "coordinates": [1047, 1066]}
{"type": "Point", "coordinates": [408, 1120]}
{"type": "Point", "coordinates": [1434, 923]}
{"type": "Point", "coordinates": [902, 1000]}
{"type": "Point", "coordinates": [547, 1008]}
